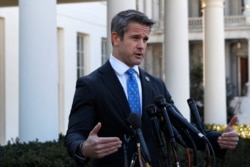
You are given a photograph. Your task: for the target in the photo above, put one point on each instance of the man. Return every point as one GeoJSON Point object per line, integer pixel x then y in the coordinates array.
{"type": "Point", "coordinates": [98, 127]}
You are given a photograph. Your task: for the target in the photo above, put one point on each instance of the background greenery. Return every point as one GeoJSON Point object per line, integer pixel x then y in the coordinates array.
{"type": "Point", "coordinates": [35, 154]}
{"type": "Point", "coordinates": [54, 154]}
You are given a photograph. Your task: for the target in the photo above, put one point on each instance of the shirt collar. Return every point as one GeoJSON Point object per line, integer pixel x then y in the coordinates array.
{"type": "Point", "coordinates": [121, 67]}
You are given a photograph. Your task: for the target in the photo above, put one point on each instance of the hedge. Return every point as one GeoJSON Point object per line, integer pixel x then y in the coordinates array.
{"type": "Point", "coordinates": [54, 154]}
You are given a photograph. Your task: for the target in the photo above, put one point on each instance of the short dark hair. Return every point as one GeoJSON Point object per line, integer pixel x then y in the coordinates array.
{"type": "Point", "coordinates": [120, 21]}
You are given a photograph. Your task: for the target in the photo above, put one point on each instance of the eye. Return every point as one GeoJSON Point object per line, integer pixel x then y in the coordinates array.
{"type": "Point", "coordinates": [135, 37]}
{"type": "Point", "coordinates": [145, 39]}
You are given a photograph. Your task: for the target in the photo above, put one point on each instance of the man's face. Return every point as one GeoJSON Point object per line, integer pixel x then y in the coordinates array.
{"type": "Point", "coordinates": [131, 48]}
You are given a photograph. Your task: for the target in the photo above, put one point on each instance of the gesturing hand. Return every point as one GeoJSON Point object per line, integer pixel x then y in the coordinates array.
{"type": "Point", "coordinates": [229, 138]}
{"type": "Point", "coordinates": [98, 147]}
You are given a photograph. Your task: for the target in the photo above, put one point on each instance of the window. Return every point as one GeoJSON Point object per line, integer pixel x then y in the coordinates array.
{"type": "Point", "coordinates": [104, 50]}
{"type": "Point", "coordinates": [80, 54]}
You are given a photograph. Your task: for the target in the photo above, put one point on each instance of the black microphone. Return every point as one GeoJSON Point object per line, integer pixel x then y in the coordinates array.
{"type": "Point", "coordinates": [160, 101]}
{"type": "Point", "coordinates": [135, 121]}
{"type": "Point", "coordinates": [153, 114]}
{"type": "Point", "coordinates": [172, 110]}
{"type": "Point", "coordinates": [198, 122]}
{"type": "Point", "coordinates": [195, 113]}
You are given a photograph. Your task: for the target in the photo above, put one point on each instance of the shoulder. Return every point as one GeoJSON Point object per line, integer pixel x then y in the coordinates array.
{"type": "Point", "coordinates": [156, 84]}
{"type": "Point", "coordinates": [97, 76]}
{"type": "Point", "coordinates": [149, 77]}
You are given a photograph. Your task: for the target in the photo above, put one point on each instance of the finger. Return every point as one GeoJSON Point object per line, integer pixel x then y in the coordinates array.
{"type": "Point", "coordinates": [233, 121]}
{"type": "Point", "coordinates": [106, 151]}
{"type": "Point", "coordinates": [228, 140]}
{"type": "Point", "coordinates": [96, 129]}
{"type": "Point", "coordinates": [231, 133]}
{"type": "Point", "coordinates": [228, 146]}
{"type": "Point", "coordinates": [106, 140]}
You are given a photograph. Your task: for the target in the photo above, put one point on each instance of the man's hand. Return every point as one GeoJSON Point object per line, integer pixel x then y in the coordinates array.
{"type": "Point", "coordinates": [229, 138]}
{"type": "Point", "coordinates": [98, 147]}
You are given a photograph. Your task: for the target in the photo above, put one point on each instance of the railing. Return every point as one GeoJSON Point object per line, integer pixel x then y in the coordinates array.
{"type": "Point", "coordinates": [195, 23]}
{"type": "Point", "coordinates": [229, 21]}
{"type": "Point", "coordinates": [235, 21]}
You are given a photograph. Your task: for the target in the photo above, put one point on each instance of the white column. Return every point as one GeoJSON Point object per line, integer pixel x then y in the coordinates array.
{"type": "Point", "coordinates": [38, 71]}
{"type": "Point", "coordinates": [246, 7]}
{"type": "Point", "coordinates": [177, 53]}
{"type": "Point", "coordinates": [2, 85]}
{"type": "Point", "coordinates": [114, 7]}
{"type": "Point", "coordinates": [248, 84]}
{"type": "Point", "coordinates": [214, 62]}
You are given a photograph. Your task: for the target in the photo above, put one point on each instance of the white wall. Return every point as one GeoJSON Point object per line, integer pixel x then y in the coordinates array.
{"type": "Point", "coordinates": [11, 58]}
{"type": "Point", "coordinates": [89, 19]}
{"type": "Point", "coordinates": [86, 18]}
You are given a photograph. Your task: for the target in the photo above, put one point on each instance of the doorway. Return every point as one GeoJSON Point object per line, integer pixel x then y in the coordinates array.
{"type": "Point", "coordinates": [243, 75]}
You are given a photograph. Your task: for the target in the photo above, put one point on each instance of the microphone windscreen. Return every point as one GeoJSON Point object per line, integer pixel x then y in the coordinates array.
{"type": "Point", "coordinates": [134, 120]}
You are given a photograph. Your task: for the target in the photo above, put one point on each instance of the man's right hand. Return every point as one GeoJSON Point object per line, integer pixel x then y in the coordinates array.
{"type": "Point", "coordinates": [98, 147]}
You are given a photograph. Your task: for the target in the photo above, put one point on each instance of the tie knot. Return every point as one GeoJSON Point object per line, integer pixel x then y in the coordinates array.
{"type": "Point", "coordinates": [130, 72]}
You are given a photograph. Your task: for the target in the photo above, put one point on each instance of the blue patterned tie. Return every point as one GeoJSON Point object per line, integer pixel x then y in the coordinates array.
{"type": "Point", "coordinates": [133, 92]}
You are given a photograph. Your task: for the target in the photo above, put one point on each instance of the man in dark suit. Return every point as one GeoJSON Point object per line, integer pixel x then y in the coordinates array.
{"type": "Point", "coordinates": [98, 130]}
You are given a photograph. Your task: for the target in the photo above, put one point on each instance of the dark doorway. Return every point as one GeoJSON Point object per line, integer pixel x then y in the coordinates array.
{"type": "Point", "coordinates": [243, 74]}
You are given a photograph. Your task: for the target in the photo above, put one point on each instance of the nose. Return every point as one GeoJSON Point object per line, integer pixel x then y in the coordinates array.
{"type": "Point", "coordinates": [141, 44]}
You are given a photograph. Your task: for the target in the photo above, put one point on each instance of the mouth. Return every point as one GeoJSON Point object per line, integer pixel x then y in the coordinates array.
{"type": "Point", "coordinates": [139, 55]}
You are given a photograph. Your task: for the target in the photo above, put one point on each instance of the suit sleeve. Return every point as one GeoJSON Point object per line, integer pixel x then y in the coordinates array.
{"type": "Point", "coordinates": [81, 119]}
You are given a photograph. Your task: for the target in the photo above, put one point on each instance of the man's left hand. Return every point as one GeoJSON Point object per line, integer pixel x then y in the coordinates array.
{"type": "Point", "coordinates": [229, 138]}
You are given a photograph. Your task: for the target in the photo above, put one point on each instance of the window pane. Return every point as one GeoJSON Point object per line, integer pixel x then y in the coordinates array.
{"type": "Point", "coordinates": [80, 55]}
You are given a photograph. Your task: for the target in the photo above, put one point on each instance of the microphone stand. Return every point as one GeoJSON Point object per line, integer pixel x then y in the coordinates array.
{"type": "Point", "coordinates": [153, 113]}
{"type": "Point", "coordinates": [140, 156]}
{"type": "Point", "coordinates": [135, 122]}
{"type": "Point", "coordinates": [126, 140]}
{"type": "Point", "coordinates": [161, 103]}
{"type": "Point", "coordinates": [139, 153]}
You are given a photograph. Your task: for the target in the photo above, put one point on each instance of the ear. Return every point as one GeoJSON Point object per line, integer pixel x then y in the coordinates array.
{"type": "Point", "coordinates": [115, 39]}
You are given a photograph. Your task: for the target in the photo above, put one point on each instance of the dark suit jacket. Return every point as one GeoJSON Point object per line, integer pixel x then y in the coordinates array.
{"type": "Point", "coordinates": [99, 97]}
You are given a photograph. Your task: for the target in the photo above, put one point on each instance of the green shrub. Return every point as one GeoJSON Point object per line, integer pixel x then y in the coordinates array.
{"type": "Point", "coordinates": [54, 154]}
{"type": "Point", "coordinates": [35, 154]}
{"type": "Point", "coordinates": [239, 157]}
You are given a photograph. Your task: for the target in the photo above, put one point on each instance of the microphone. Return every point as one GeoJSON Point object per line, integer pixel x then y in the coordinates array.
{"type": "Point", "coordinates": [198, 122]}
{"type": "Point", "coordinates": [176, 115]}
{"type": "Point", "coordinates": [173, 111]}
{"type": "Point", "coordinates": [195, 113]}
{"type": "Point", "coordinates": [152, 113]}
{"type": "Point", "coordinates": [161, 103]}
{"type": "Point", "coordinates": [135, 121]}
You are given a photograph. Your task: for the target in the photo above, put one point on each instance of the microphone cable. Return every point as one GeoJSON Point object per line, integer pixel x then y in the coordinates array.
{"type": "Point", "coordinates": [183, 143]}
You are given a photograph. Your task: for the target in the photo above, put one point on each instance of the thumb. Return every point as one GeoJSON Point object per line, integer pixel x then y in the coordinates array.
{"type": "Point", "coordinates": [95, 130]}
{"type": "Point", "coordinates": [233, 121]}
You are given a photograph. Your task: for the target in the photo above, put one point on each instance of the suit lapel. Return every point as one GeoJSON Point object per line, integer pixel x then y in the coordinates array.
{"type": "Point", "coordinates": [107, 74]}
{"type": "Point", "coordinates": [147, 91]}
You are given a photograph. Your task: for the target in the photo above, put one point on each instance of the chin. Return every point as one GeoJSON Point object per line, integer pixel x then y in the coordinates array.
{"type": "Point", "coordinates": [137, 62]}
